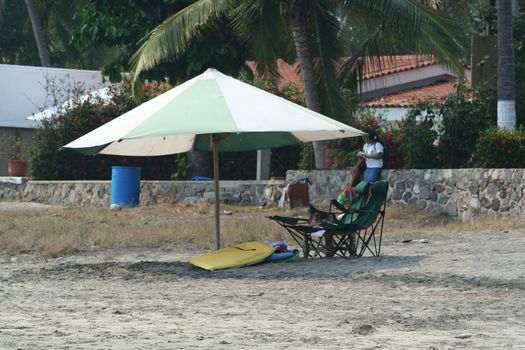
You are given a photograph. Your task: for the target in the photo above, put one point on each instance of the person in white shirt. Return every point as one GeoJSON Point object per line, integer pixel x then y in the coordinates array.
{"type": "Point", "coordinates": [373, 154]}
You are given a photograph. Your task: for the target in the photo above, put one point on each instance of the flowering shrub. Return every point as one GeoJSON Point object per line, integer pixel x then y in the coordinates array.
{"type": "Point", "coordinates": [49, 163]}
{"type": "Point", "coordinates": [154, 89]}
{"type": "Point", "coordinates": [501, 148]}
{"type": "Point", "coordinates": [390, 134]}
{"type": "Point", "coordinates": [462, 120]}
{"type": "Point", "coordinates": [418, 140]}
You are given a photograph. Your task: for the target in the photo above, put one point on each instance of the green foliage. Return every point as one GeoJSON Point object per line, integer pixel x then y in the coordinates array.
{"type": "Point", "coordinates": [417, 145]}
{"type": "Point", "coordinates": [17, 42]}
{"type": "Point", "coordinates": [307, 159]}
{"type": "Point", "coordinates": [462, 120]}
{"type": "Point", "coordinates": [391, 138]}
{"type": "Point", "coordinates": [14, 147]}
{"type": "Point", "coordinates": [501, 148]}
{"type": "Point", "coordinates": [484, 18]}
{"type": "Point", "coordinates": [344, 159]}
{"type": "Point", "coordinates": [50, 163]}
{"type": "Point", "coordinates": [116, 29]}
{"type": "Point", "coordinates": [455, 125]}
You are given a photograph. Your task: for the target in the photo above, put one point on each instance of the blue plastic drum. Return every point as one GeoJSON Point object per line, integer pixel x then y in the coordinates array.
{"type": "Point", "coordinates": [125, 186]}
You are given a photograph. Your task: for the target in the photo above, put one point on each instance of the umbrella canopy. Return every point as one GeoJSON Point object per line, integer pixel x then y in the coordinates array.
{"type": "Point", "coordinates": [211, 112]}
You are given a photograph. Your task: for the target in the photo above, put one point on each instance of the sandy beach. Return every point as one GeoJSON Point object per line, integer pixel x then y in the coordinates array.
{"type": "Point", "coordinates": [437, 291]}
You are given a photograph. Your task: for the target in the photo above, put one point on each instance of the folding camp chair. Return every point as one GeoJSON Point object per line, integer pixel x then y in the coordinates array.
{"type": "Point", "coordinates": [318, 241]}
{"type": "Point", "coordinates": [346, 215]}
{"type": "Point", "coordinates": [367, 226]}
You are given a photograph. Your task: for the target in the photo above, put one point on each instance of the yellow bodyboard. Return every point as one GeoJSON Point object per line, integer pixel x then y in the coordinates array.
{"type": "Point", "coordinates": [243, 254]}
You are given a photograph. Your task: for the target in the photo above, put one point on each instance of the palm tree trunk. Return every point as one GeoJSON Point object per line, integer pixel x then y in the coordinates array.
{"type": "Point", "coordinates": [41, 42]}
{"type": "Point", "coordinates": [298, 13]}
{"type": "Point", "coordinates": [506, 67]}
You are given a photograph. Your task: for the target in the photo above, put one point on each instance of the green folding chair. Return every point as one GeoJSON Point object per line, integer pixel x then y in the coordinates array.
{"type": "Point", "coordinates": [328, 238]}
{"type": "Point", "coordinates": [365, 232]}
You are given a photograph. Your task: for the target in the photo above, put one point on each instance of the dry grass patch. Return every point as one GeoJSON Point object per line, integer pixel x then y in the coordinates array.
{"type": "Point", "coordinates": [62, 231]}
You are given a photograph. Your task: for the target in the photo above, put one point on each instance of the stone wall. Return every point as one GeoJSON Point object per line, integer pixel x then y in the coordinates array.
{"type": "Point", "coordinates": [98, 193]}
{"type": "Point", "coordinates": [454, 192]}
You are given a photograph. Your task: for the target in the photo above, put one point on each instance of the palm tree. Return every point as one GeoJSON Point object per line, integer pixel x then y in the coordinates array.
{"type": "Point", "coordinates": [506, 67]}
{"type": "Point", "coordinates": [41, 42]}
{"type": "Point", "coordinates": [315, 30]}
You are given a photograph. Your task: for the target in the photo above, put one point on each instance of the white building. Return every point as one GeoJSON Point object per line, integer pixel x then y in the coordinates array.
{"type": "Point", "coordinates": [26, 90]}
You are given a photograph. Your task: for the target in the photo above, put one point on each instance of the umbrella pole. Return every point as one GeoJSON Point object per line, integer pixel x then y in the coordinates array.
{"type": "Point", "coordinates": [216, 140]}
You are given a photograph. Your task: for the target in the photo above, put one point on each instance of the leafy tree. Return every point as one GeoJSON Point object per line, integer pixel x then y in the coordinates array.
{"type": "Point", "coordinates": [17, 42]}
{"type": "Point", "coordinates": [17, 33]}
{"type": "Point", "coordinates": [115, 29]}
{"type": "Point", "coordinates": [315, 31]}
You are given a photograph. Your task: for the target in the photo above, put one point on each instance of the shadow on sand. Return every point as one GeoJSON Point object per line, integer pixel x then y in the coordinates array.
{"type": "Point", "coordinates": [311, 268]}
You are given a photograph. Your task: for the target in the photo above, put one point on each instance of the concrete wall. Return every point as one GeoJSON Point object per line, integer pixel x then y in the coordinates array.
{"type": "Point", "coordinates": [455, 192]}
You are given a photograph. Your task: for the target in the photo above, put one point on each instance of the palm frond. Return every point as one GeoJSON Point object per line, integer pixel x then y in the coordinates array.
{"type": "Point", "coordinates": [329, 49]}
{"type": "Point", "coordinates": [261, 24]}
{"type": "Point", "coordinates": [171, 38]}
{"type": "Point", "coordinates": [414, 27]}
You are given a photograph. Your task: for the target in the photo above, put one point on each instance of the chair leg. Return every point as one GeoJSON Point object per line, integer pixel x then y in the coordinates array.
{"type": "Point", "coordinates": [306, 248]}
{"type": "Point", "coordinates": [329, 245]}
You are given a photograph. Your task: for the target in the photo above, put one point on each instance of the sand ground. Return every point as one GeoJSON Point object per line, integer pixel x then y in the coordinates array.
{"type": "Point", "coordinates": [438, 291]}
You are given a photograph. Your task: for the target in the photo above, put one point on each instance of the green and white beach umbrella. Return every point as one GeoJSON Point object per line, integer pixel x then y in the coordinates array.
{"type": "Point", "coordinates": [211, 112]}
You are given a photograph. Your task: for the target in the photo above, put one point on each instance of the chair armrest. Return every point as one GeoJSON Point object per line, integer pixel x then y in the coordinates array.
{"type": "Point", "coordinates": [338, 205]}
{"type": "Point", "coordinates": [288, 220]}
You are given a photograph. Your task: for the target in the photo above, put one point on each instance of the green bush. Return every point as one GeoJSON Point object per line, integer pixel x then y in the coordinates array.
{"type": "Point", "coordinates": [444, 134]}
{"type": "Point", "coordinates": [463, 117]}
{"type": "Point", "coordinates": [14, 147]}
{"type": "Point", "coordinates": [418, 142]}
{"type": "Point", "coordinates": [501, 148]}
{"type": "Point", "coordinates": [50, 163]}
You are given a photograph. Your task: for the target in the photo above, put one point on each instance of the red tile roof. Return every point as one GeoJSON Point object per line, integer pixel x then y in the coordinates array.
{"type": "Point", "coordinates": [289, 73]}
{"type": "Point", "coordinates": [385, 65]}
{"type": "Point", "coordinates": [410, 98]}
{"type": "Point", "coordinates": [381, 66]}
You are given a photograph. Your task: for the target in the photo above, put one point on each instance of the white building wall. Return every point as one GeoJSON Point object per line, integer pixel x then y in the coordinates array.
{"type": "Point", "coordinates": [22, 93]}
{"type": "Point", "coordinates": [22, 90]}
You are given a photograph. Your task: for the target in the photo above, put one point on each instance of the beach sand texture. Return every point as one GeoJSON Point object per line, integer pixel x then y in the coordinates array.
{"type": "Point", "coordinates": [439, 291]}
